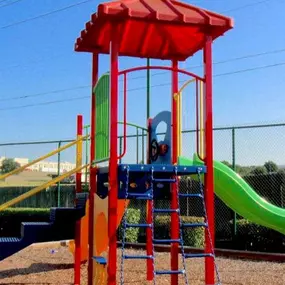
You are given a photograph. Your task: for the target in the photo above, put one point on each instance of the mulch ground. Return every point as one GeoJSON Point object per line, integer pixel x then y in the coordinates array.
{"type": "Point", "coordinates": [52, 265]}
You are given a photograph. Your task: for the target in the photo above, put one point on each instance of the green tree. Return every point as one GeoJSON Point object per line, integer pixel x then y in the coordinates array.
{"type": "Point", "coordinates": [8, 165]}
{"type": "Point", "coordinates": [258, 170]}
{"type": "Point", "coordinates": [227, 163]}
{"type": "Point", "coordinates": [271, 166]}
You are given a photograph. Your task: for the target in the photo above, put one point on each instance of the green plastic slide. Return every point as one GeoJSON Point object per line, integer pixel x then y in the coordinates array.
{"type": "Point", "coordinates": [240, 197]}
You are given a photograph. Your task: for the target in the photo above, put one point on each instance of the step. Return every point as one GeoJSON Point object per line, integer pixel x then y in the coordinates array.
{"type": "Point", "coordinates": [36, 231]}
{"type": "Point", "coordinates": [9, 239]}
{"type": "Point", "coordinates": [198, 255]}
{"type": "Point", "coordinates": [191, 195]}
{"type": "Point", "coordinates": [11, 245]}
{"type": "Point", "coordinates": [157, 241]}
{"type": "Point", "coordinates": [138, 257]}
{"type": "Point", "coordinates": [194, 225]}
{"type": "Point", "coordinates": [140, 196]}
{"type": "Point", "coordinates": [169, 272]}
{"type": "Point", "coordinates": [70, 214]}
{"type": "Point", "coordinates": [158, 211]}
{"type": "Point", "coordinates": [164, 180]}
{"type": "Point", "coordinates": [128, 225]}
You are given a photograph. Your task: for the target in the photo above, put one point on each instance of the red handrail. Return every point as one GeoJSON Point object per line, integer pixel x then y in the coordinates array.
{"type": "Point", "coordinates": [198, 127]}
{"type": "Point", "coordinates": [197, 118]}
{"type": "Point", "coordinates": [125, 118]}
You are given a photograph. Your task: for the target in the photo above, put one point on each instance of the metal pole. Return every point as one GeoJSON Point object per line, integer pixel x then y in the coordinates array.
{"type": "Point", "coordinates": [142, 146]}
{"type": "Point", "coordinates": [77, 239]}
{"type": "Point", "coordinates": [148, 90]}
{"type": "Point", "coordinates": [149, 217]}
{"type": "Point", "coordinates": [113, 165]}
{"type": "Point", "coordinates": [209, 176]}
{"type": "Point", "coordinates": [58, 173]}
{"type": "Point", "coordinates": [137, 146]}
{"type": "Point", "coordinates": [234, 229]}
{"type": "Point", "coordinates": [120, 148]}
{"type": "Point", "coordinates": [92, 170]}
{"type": "Point", "coordinates": [174, 189]}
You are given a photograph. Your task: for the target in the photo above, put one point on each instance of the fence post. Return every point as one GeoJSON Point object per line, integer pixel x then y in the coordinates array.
{"type": "Point", "coordinates": [58, 173]}
{"type": "Point", "coordinates": [234, 229]}
{"type": "Point", "coordinates": [120, 148]}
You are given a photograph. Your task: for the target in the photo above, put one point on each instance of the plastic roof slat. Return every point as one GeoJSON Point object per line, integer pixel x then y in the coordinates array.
{"type": "Point", "coordinates": [161, 29]}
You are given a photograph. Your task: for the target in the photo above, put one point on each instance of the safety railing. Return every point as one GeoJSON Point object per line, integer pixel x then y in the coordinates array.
{"type": "Point", "coordinates": [140, 132]}
{"type": "Point", "coordinates": [200, 120]}
{"type": "Point", "coordinates": [22, 168]}
{"type": "Point", "coordinates": [59, 178]}
{"type": "Point", "coordinates": [41, 187]}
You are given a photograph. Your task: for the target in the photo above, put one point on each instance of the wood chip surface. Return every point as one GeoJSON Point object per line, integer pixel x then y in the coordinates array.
{"type": "Point", "coordinates": [53, 265]}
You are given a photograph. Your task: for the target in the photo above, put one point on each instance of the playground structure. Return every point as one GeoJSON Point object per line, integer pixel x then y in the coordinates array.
{"type": "Point", "coordinates": [166, 30]}
{"type": "Point", "coordinates": [147, 30]}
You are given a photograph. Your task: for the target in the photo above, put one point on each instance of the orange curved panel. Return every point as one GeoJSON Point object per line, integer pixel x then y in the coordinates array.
{"type": "Point", "coordinates": [101, 236]}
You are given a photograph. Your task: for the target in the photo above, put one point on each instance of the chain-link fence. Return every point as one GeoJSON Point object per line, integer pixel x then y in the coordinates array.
{"type": "Point", "coordinates": [254, 152]}
{"type": "Point", "coordinates": [61, 194]}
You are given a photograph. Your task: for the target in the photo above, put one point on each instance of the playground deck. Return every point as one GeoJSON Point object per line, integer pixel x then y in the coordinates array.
{"type": "Point", "coordinates": [37, 265]}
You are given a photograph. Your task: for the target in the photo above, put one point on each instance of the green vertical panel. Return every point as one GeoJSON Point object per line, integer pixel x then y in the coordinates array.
{"type": "Point", "coordinates": [102, 122]}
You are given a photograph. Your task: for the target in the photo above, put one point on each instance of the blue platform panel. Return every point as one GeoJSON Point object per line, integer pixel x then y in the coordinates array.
{"type": "Point", "coordinates": [140, 182]}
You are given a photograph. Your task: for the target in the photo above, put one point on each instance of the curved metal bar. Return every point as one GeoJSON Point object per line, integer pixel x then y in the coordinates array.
{"type": "Point", "coordinates": [202, 123]}
{"type": "Point", "coordinates": [125, 135]}
{"type": "Point", "coordinates": [133, 125]}
{"type": "Point", "coordinates": [139, 68]}
{"type": "Point", "coordinates": [125, 118]}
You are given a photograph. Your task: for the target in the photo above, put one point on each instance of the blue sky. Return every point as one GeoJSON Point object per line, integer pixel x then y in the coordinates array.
{"type": "Point", "coordinates": [38, 57]}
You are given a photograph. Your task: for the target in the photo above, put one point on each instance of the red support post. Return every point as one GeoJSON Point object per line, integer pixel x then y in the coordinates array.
{"type": "Point", "coordinates": [113, 166]}
{"type": "Point", "coordinates": [209, 177]}
{"type": "Point", "coordinates": [174, 192]}
{"type": "Point", "coordinates": [149, 220]}
{"type": "Point", "coordinates": [77, 259]}
{"type": "Point", "coordinates": [92, 175]}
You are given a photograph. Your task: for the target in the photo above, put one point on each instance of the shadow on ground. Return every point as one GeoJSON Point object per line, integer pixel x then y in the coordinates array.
{"type": "Point", "coordinates": [34, 268]}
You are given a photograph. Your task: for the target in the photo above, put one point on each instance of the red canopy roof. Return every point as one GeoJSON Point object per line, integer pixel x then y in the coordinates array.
{"type": "Point", "coordinates": [161, 29]}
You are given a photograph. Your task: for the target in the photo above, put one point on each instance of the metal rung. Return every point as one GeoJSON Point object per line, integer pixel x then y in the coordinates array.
{"type": "Point", "coordinates": [191, 195]}
{"type": "Point", "coordinates": [166, 210]}
{"type": "Point", "coordinates": [140, 196]}
{"type": "Point", "coordinates": [166, 180]}
{"type": "Point", "coordinates": [198, 255]}
{"type": "Point", "coordinates": [138, 257]}
{"type": "Point", "coordinates": [169, 272]}
{"type": "Point", "coordinates": [100, 260]}
{"type": "Point", "coordinates": [138, 225]}
{"type": "Point", "coordinates": [194, 225]}
{"type": "Point", "coordinates": [167, 241]}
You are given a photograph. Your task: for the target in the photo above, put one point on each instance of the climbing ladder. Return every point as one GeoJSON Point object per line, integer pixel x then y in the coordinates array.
{"type": "Point", "coordinates": [166, 175]}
